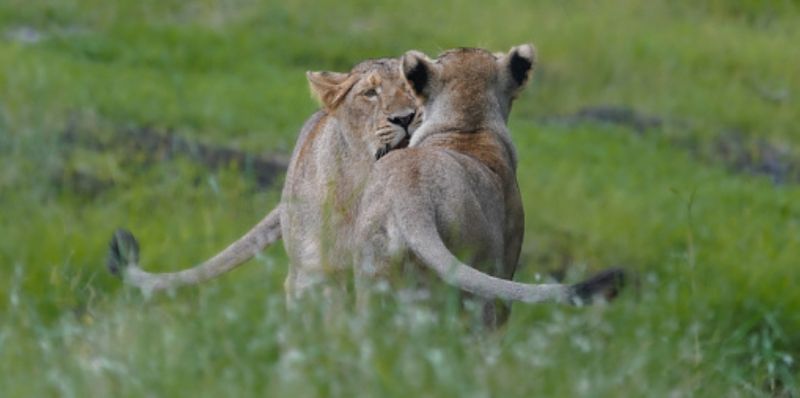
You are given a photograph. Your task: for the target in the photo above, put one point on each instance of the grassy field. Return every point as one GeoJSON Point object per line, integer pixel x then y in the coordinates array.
{"type": "Point", "coordinates": [703, 205]}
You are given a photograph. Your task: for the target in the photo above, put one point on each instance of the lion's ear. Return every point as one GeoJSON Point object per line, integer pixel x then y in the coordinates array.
{"type": "Point", "coordinates": [418, 71]}
{"type": "Point", "coordinates": [518, 63]}
{"type": "Point", "coordinates": [329, 88]}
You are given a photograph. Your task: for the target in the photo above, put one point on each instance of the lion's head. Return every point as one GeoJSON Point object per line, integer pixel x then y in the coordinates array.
{"type": "Point", "coordinates": [372, 101]}
{"type": "Point", "coordinates": [474, 81]}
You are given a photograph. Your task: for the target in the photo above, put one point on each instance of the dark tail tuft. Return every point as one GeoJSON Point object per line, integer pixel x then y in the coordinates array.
{"type": "Point", "coordinates": [606, 285]}
{"type": "Point", "coordinates": [123, 251]}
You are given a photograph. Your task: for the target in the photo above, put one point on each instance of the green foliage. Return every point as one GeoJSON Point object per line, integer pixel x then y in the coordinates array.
{"type": "Point", "coordinates": [714, 312]}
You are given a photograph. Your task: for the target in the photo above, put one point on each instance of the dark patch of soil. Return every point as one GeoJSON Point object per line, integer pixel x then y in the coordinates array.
{"type": "Point", "coordinates": [146, 145]}
{"type": "Point", "coordinates": [610, 114]}
{"type": "Point", "coordinates": [81, 183]}
{"type": "Point", "coordinates": [739, 152]}
{"type": "Point", "coordinates": [163, 146]}
{"type": "Point", "coordinates": [756, 156]}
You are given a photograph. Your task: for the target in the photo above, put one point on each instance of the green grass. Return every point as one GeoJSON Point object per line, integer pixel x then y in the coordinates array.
{"type": "Point", "coordinates": [715, 312]}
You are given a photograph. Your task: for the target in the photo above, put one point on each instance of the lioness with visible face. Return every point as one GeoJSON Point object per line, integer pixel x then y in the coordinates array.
{"type": "Point", "coordinates": [320, 198]}
{"type": "Point", "coordinates": [454, 189]}
{"type": "Point", "coordinates": [366, 113]}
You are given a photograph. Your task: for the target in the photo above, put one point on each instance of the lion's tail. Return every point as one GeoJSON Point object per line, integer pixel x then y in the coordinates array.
{"type": "Point", "coordinates": [123, 257]}
{"type": "Point", "coordinates": [427, 244]}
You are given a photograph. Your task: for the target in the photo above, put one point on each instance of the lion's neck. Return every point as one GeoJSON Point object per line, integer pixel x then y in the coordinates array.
{"type": "Point", "coordinates": [459, 114]}
{"type": "Point", "coordinates": [346, 144]}
{"type": "Point", "coordinates": [348, 160]}
{"type": "Point", "coordinates": [329, 158]}
{"type": "Point", "coordinates": [447, 117]}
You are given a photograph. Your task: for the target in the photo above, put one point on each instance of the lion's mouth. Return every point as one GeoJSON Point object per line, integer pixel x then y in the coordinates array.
{"type": "Point", "coordinates": [404, 142]}
{"type": "Point", "coordinates": [388, 148]}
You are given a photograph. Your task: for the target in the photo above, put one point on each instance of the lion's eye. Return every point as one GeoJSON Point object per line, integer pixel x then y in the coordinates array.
{"type": "Point", "coordinates": [371, 93]}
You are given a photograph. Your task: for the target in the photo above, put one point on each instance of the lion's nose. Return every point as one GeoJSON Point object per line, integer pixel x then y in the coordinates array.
{"type": "Point", "coordinates": [403, 120]}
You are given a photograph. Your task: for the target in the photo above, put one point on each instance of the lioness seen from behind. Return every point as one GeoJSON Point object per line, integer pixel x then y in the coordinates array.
{"type": "Point", "coordinates": [454, 190]}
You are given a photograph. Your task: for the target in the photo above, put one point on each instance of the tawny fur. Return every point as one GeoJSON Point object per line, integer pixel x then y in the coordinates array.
{"type": "Point", "coordinates": [320, 197]}
{"type": "Point", "coordinates": [454, 190]}
{"type": "Point", "coordinates": [335, 149]}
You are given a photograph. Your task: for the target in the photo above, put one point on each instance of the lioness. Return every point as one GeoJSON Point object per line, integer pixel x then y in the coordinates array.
{"type": "Point", "coordinates": [365, 113]}
{"type": "Point", "coordinates": [454, 189]}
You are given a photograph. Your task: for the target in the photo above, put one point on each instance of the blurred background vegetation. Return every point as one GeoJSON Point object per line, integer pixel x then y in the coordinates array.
{"type": "Point", "coordinates": [659, 136]}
